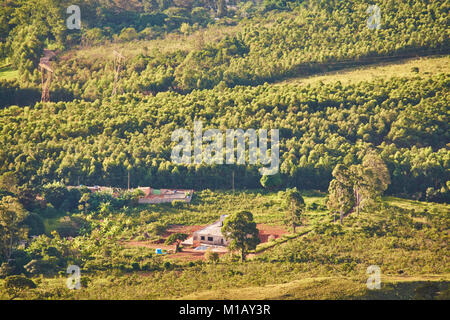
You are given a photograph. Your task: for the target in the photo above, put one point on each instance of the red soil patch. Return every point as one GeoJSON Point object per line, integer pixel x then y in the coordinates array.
{"type": "Point", "coordinates": [174, 228]}
{"type": "Point", "coordinates": [265, 231]}
{"type": "Point", "coordinates": [188, 254]}
{"type": "Point", "coordinates": [178, 228]}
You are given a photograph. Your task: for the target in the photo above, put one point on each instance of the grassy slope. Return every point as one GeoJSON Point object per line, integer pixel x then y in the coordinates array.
{"type": "Point", "coordinates": [258, 279]}
{"type": "Point", "coordinates": [393, 287]}
{"type": "Point", "coordinates": [171, 43]}
{"type": "Point", "coordinates": [427, 66]}
{"type": "Point", "coordinates": [8, 73]}
{"type": "Point", "coordinates": [332, 288]}
{"type": "Point", "coordinates": [346, 287]}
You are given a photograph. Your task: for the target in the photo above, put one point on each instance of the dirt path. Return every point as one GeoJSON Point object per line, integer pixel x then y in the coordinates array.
{"type": "Point", "coordinates": [188, 254]}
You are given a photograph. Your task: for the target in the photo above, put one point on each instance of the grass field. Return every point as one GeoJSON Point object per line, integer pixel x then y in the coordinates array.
{"type": "Point", "coordinates": [8, 73]}
{"type": "Point", "coordinates": [409, 68]}
{"type": "Point", "coordinates": [170, 43]}
{"type": "Point", "coordinates": [329, 288]}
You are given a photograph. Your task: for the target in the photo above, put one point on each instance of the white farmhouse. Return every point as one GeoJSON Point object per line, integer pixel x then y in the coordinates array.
{"type": "Point", "coordinates": [211, 234]}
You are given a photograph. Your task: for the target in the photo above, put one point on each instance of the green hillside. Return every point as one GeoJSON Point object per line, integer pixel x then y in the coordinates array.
{"type": "Point", "coordinates": [309, 39]}
{"type": "Point", "coordinates": [320, 126]}
{"type": "Point", "coordinates": [408, 239]}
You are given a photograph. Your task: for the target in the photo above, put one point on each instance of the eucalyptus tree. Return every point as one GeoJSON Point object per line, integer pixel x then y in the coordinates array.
{"type": "Point", "coordinates": [295, 205]}
{"type": "Point", "coordinates": [12, 230]}
{"type": "Point", "coordinates": [341, 197]}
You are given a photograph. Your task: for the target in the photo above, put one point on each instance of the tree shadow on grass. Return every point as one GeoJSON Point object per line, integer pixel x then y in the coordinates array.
{"type": "Point", "coordinates": [414, 290]}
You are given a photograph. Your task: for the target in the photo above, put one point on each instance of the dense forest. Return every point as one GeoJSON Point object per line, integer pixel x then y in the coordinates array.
{"type": "Point", "coordinates": [405, 120]}
{"type": "Point", "coordinates": [308, 38]}
{"type": "Point", "coordinates": [90, 137]}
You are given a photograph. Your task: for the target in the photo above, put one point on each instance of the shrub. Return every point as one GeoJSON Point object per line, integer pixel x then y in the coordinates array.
{"type": "Point", "coordinates": [45, 267]}
{"type": "Point", "coordinates": [67, 227]}
{"type": "Point", "coordinates": [6, 270]}
{"type": "Point", "coordinates": [328, 229]}
{"type": "Point", "coordinates": [211, 256]}
{"type": "Point", "coordinates": [85, 281]}
{"type": "Point", "coordinates": [135, 266]}
{"type": "Point", "coordinates": [94, 36]}
{"type": "Point", "coordinates": [147, 34]}
{"type": "Point", "coordinates": [19, 259]}
{"type": "Point", "coordinates": [52, 252]}
{"type": "Point", "coordinates": [232, 273]}
{"type": "Point", "coordinates": [35, 224]}
{"type": "Point", "coordinates": [271, 182]}
{"type": "Point", "coordinates": [177, 204]}
{"type": "Point", "coordinates": [55, 193]}
{"type": "Point", "coordinates": [16, 285]}
{"type": "Point", "coordinates": [158, 228]}
{"type": "Point", "coordinates": [128, 34]}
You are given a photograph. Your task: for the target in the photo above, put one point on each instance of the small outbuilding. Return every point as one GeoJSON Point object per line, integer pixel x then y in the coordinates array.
{"type": "Point", "coordinates": [164, 195]}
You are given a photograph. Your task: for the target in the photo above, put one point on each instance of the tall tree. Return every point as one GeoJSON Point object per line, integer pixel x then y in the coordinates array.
{"type": "Point", "coordinates": [9, 182]}
{"type": "Point", "coordinates": [295, 205]}
{"type": "Point", "coordinates": [6, 12]}
{"type": "Point", "coordinates": [15, 286]}
{"type": "Point", "coordinates": [241, 230]}
{"type": "Point", "coordinates": [27, 49]}
{"type": "Point", "coordinates": [272, 181]}
{"type": "Point", "coordinates": [221, 8]}
{"type": "Point", "coordinates": [341, 196]}
{"type": "Point", "coordinates": [176, 238]}
{"type": "Point", "coordinates": [370, 179]}
{"type": "Point", "coordinates": [377, 173]}
{"type": "Point", "coordinates": [12, 230]}
{"type": "Point", "coordinates": [55, 193]}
